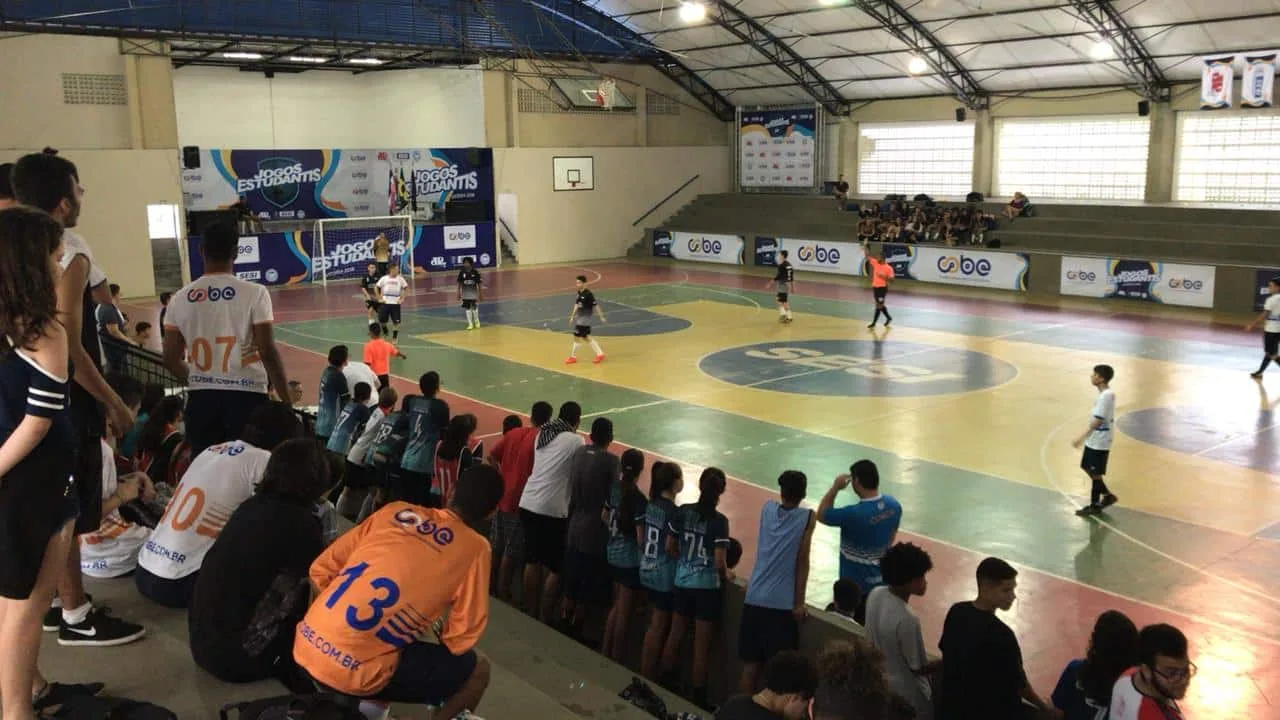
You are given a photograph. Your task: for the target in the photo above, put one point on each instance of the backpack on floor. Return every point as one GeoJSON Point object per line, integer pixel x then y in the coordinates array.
{"type": "Point", "coordinates": [320, 706]}
{"type": "Point", "coordinates": [86, 707]}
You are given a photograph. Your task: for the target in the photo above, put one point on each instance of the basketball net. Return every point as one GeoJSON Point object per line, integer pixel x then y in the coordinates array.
{"type": "Point", "coordinates": [606, 93]}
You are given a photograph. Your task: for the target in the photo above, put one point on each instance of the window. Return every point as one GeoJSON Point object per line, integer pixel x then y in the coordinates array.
{"type": "Point", "coordinates": [1090, 158]}
{"type": "Point", "coordinates": [1228, 157]}
{"type": "Point", "coordinates": [912, 158]}
{"type": "Point", "coordinates": [162, 222]}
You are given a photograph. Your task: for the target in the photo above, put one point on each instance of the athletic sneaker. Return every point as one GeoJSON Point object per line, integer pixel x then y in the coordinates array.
{"type": "Point", "coordinates": [570, 361]}
{"type": "Point", "coordinates": [56, 694]}
{"type": "Point", "coordinates": [599, 359]}
{"type": "Point", "coordinates": [1107, 501]}
{"type": "Point", "coordinates": [100, 629]}
{"type": "Point", "coordinates": [1088, 510]}
{"type": "Point", "coordinates": [53, 616]}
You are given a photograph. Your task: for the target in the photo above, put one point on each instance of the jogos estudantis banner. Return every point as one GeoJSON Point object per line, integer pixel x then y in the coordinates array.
{"type": "Point", "coordinates": [777, 148]}
{"type": "Point", "coordinates": [335, 183]}
{"type": "Point", "coordinates": [1139, 279]}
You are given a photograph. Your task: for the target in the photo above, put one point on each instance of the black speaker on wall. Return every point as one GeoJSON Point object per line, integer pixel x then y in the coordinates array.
{"type": "Point", "coordinates": [960, 114]}
{"type": "Point", "coordinates": [190, 157]}
{"type": "Point", "coordinates": [1144, 108]}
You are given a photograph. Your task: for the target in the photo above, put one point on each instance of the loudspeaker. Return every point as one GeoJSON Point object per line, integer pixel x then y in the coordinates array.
{"type": "Point", "coordinates": [190, 157]}
{"type": "Point", "coordinates": [1144, 108]}
{"type": "Point", "coordinates": [960, 114]}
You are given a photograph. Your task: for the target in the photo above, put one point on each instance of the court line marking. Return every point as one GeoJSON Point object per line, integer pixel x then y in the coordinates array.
{"type": "Point", "coordinates": [1070, 499]}
{"type": "Point", "coordinates": [1155, 606]}
{"type": "Point", "coordinates": [1235, 438]}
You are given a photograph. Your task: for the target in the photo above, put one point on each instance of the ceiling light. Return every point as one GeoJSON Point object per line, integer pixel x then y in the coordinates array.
{"type": "Point", "coordinates": [365, 61]}
{"type": "Point", "coordinates": [1102, 50]}
{"type": "Point", "coordinates": [692, 12]}
{"type": "Point", "coordinates": [831, 3]}
{"type": "Point", "coordinates": [917, 65]}
{"type": "Point", "coordinates": [242, 56]}
{"type": "Point", "coordinates": [307, 59]}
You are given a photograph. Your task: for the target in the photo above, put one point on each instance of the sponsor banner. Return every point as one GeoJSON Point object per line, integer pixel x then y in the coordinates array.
{"type": "Point", "coordinates": [287, 258]}
{"type": "Point", "coordinates": [975, 268]}
{"type": "Point", "coordinates": [1150, 280]}
{"type": "Point", "coordinates": [826, 257]}
{"type": "Point", "coordinates": [1259, 79]}
{"type": "Point", "coordinates": [776, 148]}
{"type": "Point", "coordinates": [725, 249]}
{"type": "Point", "coordinates": [333, 183]}
{"type": "Point", "coordinates": [248, 252]}
{"type": "Point", "coordinates": [459, 237]}
{"type": "Point", "coordinates": [661, 243]}
{"type": "Point", "coordinates": [1261, 291]}
{"type": "Point", "coordinates": [1215, 82]}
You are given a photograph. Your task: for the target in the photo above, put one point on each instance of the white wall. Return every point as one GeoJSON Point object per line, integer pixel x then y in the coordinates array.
{"type": "Point", "coordinates": [226, 108]}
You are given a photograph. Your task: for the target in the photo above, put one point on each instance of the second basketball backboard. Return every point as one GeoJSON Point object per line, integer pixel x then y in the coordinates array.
{"type": "Point", "coordinates": [574, 173]}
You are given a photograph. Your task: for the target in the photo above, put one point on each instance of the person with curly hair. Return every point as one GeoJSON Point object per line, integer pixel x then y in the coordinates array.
{"type": "Point", "coordinates": [851, 682]}
{"type": "Point", "coordinates": [895, 630]}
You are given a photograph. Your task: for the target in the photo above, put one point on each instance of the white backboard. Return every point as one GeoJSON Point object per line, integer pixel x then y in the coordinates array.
{"type": "Point", "coordinates": [574, 173]}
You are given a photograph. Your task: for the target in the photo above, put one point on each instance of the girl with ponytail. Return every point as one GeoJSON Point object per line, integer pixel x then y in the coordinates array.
{"type": "Point", "coordinates": [623, 512]}
{"type": "Point", "coordinates": [657, 567]}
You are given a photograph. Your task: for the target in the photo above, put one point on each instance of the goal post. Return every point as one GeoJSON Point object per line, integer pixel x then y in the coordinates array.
{"type": "Point", "coordinates": [344, 246]}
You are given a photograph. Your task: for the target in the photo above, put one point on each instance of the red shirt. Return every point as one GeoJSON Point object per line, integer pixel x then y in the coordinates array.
{"type": "Point", "coordinates": [881, 273]}
{"type": "Point", "coordinates": [447, 471]}
{"type": "Point", "coordinates": [514, 453]}
{"type": "Point", "coordinates": [377, 355]}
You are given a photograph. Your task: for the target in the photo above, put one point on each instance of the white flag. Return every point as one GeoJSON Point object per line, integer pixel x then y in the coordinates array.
{"type": "Point", "coordinates": [1259, 78]}
{"type": "Point", "coordinates": [1215, 82]}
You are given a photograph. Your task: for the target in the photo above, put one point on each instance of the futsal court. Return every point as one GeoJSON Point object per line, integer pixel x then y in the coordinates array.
{"type": "Point", "coordinates": [968, 405]}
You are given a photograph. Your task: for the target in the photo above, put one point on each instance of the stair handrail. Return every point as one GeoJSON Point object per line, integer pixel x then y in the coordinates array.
{"type": "Point", "coordinates": [663, 201]}
{"type": "Point", "coordinates": [509, 240]}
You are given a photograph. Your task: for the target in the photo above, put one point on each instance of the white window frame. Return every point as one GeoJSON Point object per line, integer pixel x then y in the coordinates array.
{"type": "Point", "coordinates": [1090, 178]}
{"type": "Point", "coordinates": [934, 187]}
{"type": "Point", "coordinates": [1261, 188]}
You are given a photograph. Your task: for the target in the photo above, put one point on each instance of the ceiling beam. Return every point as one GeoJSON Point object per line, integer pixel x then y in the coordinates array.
{"type": "Point", "coordinates": [750, 31]}
{"type": "Point", "coordinates": [912, 33]}
{"type": "Point", "coordinates": [208, 53]}
{"type": "Point", "coordinates": [1112, 28]}
{"type": "Point", "coordinates": [693, 83]}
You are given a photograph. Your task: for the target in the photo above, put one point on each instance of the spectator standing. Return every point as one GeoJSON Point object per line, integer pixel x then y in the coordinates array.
{"type": "Point", "coordinates": [895, 630]}
{"type": "Point", "coordinates": [774, 604]}
{"type": "Point", "coordinates": [352, 419]}
{"type": "Point", "coordinates": [867, 528]}
{"type": "Point", "coordinates": [587, 578]}
{"type": "Point", "coordinates": [1154, 687]}
{"type": "Point", "coordinates": [359, 477]}
{"type": "Point", "coordinates": [982, 673]}
{"type": "Point", "coordinates": [428, 418]}
{"type": "Point", "coordinates": [358, 372]}
{"type": "Point", "coordinates": [657, 565]}
{"type": "Point", "coordinates": [1084, 689]}
{"type": "Point", "coordinates": [224, 326]}
{"type": "Point", "coordinates": [142, 333]}
{"type": "Point", "coordinates": [790, 680]}
{"type": "Point", "coordinates": [165, 297]}
{"type": "Point", "coordinates": [334, 392]}
{"type": "Point", "coordinates": [544, 510]}
{"type": "Point", "coordinates": [51, 183]}
{"type": "Point", "coordinates": [513, 455]}
{"type": "Point", "coordinates": [841, 193]}
{"type": "Point", "coordinates": [111, 331]}
{"type": "Point", "coordinates": [624, 513]}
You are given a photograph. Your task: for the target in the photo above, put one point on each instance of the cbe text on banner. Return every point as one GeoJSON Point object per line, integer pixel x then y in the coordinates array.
{"type": "Point", "coordinates": [825, 257]}
{"type": "Point", "coordinates": [1137, 279]}
{"type": "Point", "coordinates": [955, 266]}
{"type": "Point", "coordinates": [725, 249]}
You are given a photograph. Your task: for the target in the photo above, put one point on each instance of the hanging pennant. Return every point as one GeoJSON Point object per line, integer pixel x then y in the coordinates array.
{"type": "Point", "coordinates": [1215, 82]}
{"type": "Point", "coordinates": [1259, 78]}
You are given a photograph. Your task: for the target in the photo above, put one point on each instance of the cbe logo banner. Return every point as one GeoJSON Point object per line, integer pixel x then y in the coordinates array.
{"type": "Point", "coordinates": [726, 249]}
{"type": "Point", "coordinates": [459, 237]}
{"type": "Point", "coordinates": [1139, 279]}
{"type": "Point", "coordinates": [249, 251]}
{"type": "Point", "coordinates": [825, 257]}
{"type": "Point", "coordinates": [975, 268]}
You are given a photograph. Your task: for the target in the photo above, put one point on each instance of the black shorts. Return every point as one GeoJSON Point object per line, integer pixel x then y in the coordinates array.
{"type": "Point", "coordinates": [765, 632]}
{"type": "Point", "coordinates": [428, 674]}
{"type": "Point", "coordinates": [782, 297]}
{"type": "Point", "coordinates": [469, 304]}
{"type": "Point", "coordinates": [34, 506]}
{"type": "Point", "coordinates": [582, 331]}
{"type": "Point", "coordinates": [1271, 343]}
{"type": "Point", "coordinates": [586, 578]}
{"type": "Point", "coordinates": [627, 577]}
{"type": "Point", "coordinates": [372, 304]}
{"type": "Point", "coordinates": [663, 601]}
{"type": "Point", "coordinates": [879, 293]}
{"type": "Point", "coordinates": [1094, 462]}
{"type": "Point", "coordinates": [216, 416]}
{"type": "Point", "coordinates": [389, 313]}
{"type": "Point", "coordinates": [384, 382]}
{"type": "Point", "coordinates": [543, 539]}
{"type": "Point", "coordinates": [697, 603]}
{"type": "Point", "coordinates": [382, 268]}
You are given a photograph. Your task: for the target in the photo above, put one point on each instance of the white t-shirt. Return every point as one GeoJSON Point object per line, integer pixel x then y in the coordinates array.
{"type": "Point", "coordinates": [893, 628]}
{"type": "Point", "coordinates": [358, 372]}
{"type": "Point", "coordinates": [218, 481]}
{"type": "Point", "coordinates": [111, 551]}
{"type": "Point", "coordinates": [547, 492]}
{"type": "Point", "coordinates": [392, 289]}
{"type": "Point", "coordinates": [1104, 408]}
{"type": "Point", "coordinates": [360, 448]}
{"type": "Point", "coordinates": [1272, 306]}
{"type": "Point", "coordinates": [216, 315]}
{"type": "Point", "coordinates": [74, 244]}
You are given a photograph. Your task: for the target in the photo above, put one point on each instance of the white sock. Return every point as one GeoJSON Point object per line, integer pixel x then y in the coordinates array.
{"type": "Point", "coordinates": [782, 312]}
{"type": "Point", "coordinates": [57, 602]}
{"type": "Point", "coordinates": [473, 316]}
{"type": "Point", "coordinates": [788, 312]}
{"type": "Point", "coordinates": [78, 615]}
{"type": "Point", "coordinates": [374, 710]}
{"type": "Point", "coordinates": [596, 346]}
{"type": "Point", "coordinates": [574, 351]}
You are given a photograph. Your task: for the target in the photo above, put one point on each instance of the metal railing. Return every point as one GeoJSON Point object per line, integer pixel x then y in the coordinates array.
{"type": "Point", "coordinates": [664, 200]}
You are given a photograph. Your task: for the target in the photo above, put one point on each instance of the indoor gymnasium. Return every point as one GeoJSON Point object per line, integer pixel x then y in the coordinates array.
{"type": "Point", "coordinates": [944, 331]}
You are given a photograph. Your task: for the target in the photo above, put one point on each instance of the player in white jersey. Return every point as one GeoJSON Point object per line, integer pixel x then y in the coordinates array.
{"type": "Point", "coordinates": [111, 551]}
{"type": "Point", "coordinates": [219, 479]}
{"type": "Point", "coordinates": [391, 291]}
{"type": "Point", "coordinates": [1270, 319]}
{"type": "Point", "coordinates": [1097, 442]}
{"type": "Point", "coordinates": [219, 341]}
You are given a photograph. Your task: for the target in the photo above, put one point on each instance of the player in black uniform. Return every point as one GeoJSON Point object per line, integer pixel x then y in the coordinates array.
{"type": "Point", "coordinates": [585, 311]}
{"type": "Point", "coordinates": [369, 286]}
{"type": "Point", "coordinates": [469, 282]}
{"type": "Point", "coordinates": [784, 281]}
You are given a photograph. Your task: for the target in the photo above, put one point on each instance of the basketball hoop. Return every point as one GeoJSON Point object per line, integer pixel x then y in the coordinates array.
{"type": "Point", "coordinates": [606, 93]}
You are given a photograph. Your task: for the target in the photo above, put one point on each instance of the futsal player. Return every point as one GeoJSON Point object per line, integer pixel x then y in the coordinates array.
{"type": "Point", "coordinates": [390, 296]}
{"type": "Point", "coordinates": [369, 287]}
{"type": "Point", "coordinates": [469, 284]}
{"type": "Point", "coordinates": [1097, 442]}
{"type": "Point", "coordinates": [585, 310]}
{"type": "Point", "coordinates": [1270, 319]}
{"type": "Point", "coordinates": [784, 283]}
{"type": "Point", "coordinates": [881, 273]}
{"type": "Point", "coordinates": [382, 254]}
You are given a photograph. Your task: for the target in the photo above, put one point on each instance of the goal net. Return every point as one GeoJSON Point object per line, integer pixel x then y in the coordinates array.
{"type": "Point", "coordinates": [343, 247]}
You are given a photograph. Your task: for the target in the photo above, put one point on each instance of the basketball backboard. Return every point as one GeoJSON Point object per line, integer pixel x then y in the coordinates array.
{"type": "Point", "coordinates": [574, 173]}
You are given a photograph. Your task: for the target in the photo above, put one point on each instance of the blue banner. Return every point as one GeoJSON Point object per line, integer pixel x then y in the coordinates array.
{"type": "Point", "coordinates": [661, 243]}
{"type": "Point", "coordinates": [766, 251]}
{"type": "Point", "coordinates": [1261, 292]}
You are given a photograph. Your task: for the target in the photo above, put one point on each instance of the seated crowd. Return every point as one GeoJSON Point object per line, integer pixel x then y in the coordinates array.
{"type": "Point", "coordinates": [895, 220]}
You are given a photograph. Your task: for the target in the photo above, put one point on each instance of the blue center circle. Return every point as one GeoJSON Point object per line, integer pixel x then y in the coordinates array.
{"type": "Point", "coordinates": [857, 368]}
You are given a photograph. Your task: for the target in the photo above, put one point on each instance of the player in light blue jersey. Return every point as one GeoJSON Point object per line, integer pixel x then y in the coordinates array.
{"type": "Point", "coordinates": [867, 528]}
{"type": "Point", "coordinates": [334, 392]}
{"type": "Point", "coordinates": [624, 514]}
{"type": "Point", "coordinates": [657, 567]}
{"type": "Point", "coordinates": [351, 420]}
{"type": "Point", "coordinates": [428, 418]}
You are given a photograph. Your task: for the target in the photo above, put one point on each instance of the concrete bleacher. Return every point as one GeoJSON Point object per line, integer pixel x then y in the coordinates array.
{"type": "Point", "coordinates": [1219, 235]}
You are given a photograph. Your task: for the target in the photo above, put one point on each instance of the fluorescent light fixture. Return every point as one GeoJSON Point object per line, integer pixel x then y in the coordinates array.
{"type": "Point", "coordinates": [917, 65]}
{"type": "Point", "coordinates": [242, 56]}
{"type": "Point", "coordinates": [307, 59]}
{"type": "Point", "coordinates": [831, 3]}
{"type": "Point", "coordinates": [365, 61]}
{"type": "Point", "coordinates": [692, 12]}
{"type": "Point", "coordinates": [1102, 50]}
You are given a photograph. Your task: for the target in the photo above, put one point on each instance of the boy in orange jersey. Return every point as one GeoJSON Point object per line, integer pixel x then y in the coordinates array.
{"type": "Point", "coordinates": [388, 582]}
{"type": "Point", "coordinates": [378, 353]}
{"type": "Point", "coordinates": [881, 273]}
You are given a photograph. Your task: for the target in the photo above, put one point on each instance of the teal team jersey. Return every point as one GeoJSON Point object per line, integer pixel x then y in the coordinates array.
{"type": "Point", "coordinates": [698, 539]}
{"type": "Point", "coordinates": [657, 568]}
{"type": "Point", "coordinates": [350, 421]}
{"type": "Point", "coordinates": [623, 551]}
{"type": "Point", "coordinates": [427, 420]}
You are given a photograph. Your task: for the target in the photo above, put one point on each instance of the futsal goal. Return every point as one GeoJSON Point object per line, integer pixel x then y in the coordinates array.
{"type": "Point", "coordinates": [343, 247]}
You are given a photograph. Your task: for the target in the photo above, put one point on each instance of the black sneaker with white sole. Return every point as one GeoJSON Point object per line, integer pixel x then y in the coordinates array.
{"type": "Point", "coordinates": [53, 616]}
{"type": "Point", "coordinates": [100, 629]}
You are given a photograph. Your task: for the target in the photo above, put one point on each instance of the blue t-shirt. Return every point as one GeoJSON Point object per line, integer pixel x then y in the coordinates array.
{"type": "Point", "coordinates": [623, 551]}
{"type": "Point", "coordinates": [1069, 697]}
{"type": "Point", "coordinates": [657, 568]}
{"type": "Point", "coordinates": [333, 389]}
{"type": "Point", "coordinates": [698, 539]}
{"type": "Point", "coordinates": [867, 528]}
{"type": "Point", "coordinates": [350, 420]}
{"type": "Point", "coordinates": [428, 417]}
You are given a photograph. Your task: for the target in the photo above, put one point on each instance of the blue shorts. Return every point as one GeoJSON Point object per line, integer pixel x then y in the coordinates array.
{"type": "Point", "coordinates": [428, 674]}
